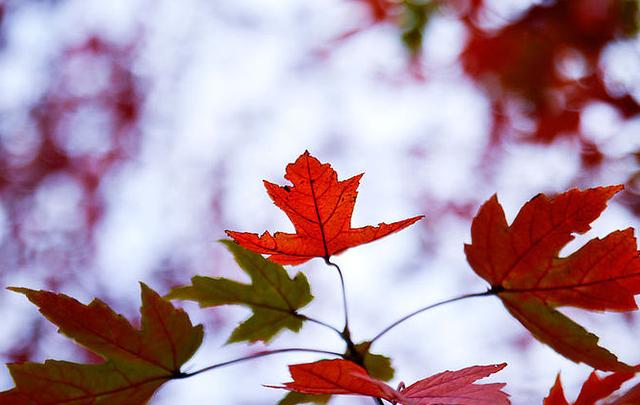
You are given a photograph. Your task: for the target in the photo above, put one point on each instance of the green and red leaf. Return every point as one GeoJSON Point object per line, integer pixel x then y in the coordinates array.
{"type": "Point", "coordinates": [137, 362]}
{"type": "Point", "coordinates": [521, 262]}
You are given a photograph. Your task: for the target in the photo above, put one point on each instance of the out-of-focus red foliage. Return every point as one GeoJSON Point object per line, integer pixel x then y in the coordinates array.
{"type": "Point", "coordinates": [380, 10]}
{"type": "Point", "coordinates": [548, 61]}
{"type": "Point", "coordinates": [411, 16]}
{"type": "Point", "coordinates": [83, 126]}
{"type": "Point", "coordinates": [538, 70]}
{"type": "Point", "coordinates": [54, 157]}
{"type": "Point", "coordinates": [542, 67]}
{"type": "Point", "coordinates": [1, 12]}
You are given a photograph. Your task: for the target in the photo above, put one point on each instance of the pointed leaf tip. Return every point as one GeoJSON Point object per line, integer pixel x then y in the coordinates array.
{"type": "Point", "coordinates": [594, 389]}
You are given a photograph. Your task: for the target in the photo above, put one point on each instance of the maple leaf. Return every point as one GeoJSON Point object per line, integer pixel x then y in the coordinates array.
{"type": "Point", "coordinates": [273, 297]}
{"type": "Point", "coordinates": [631, 397]}
{"type": "Point", "coordinates": [320, 208]}
{"type": "Point", "coordinates": [449, 387]}
{"type": "Point", "coordinates": [375, 365]}
{"type": "Point", "coordinates": [594, 389]}
{"type": "Point", "coordinates": [137, 362]}
{"type": "Point", "coordinates": [521, 263]}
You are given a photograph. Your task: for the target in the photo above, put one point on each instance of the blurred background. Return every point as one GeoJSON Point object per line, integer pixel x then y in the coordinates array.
{"type": "Point", "coordinates": [134, 132]}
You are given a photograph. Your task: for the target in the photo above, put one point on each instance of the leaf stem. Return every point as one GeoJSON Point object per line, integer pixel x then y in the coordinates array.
{"type": "Point", "coordinates": [344, 295]}
{"type": "Point", "coordinates": [254, 356]}
{"type": "Point", "coordinates": [352, 353]}
{"type": "Point", "coordinates": [437, 304]}
{"type": "Point", "coordinates": [319, 322]}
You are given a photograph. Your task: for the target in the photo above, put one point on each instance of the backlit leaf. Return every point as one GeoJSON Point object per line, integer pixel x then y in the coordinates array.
{"type": "Point", "coordinates": [521, 262]}
{"type": "Point", "coordinates": [320, 208]}
{"type": "Point", "coordinates": [137, 362]}
{"type": "Point", "coordinates": [593, 390]}
{"type": "Point", "coordinates": [449, 387]}
{"type": "Point", "coordinates": [272, 295]}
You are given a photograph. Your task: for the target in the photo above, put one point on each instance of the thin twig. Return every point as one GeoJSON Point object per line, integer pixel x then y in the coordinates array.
{"type": "Point", "coordinates": [352, 351]}
{"type": "Point", "coordinates": [319, 322]}
{"type": "Point", "coordinates": [437, 304]}
{"type": "Point", "coordinates": [254, 356]}
{"type": "Point", "coordinates": [344, 294]}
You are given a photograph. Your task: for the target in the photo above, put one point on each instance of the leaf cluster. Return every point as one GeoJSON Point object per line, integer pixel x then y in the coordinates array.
{"type": "Point", "coordinates": [520, 261]}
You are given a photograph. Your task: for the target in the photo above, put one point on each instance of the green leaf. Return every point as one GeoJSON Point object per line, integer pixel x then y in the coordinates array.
{"type": "Point", "coordinates": [559, 332]}
{"type": "Point", "coordinates": [273, 296]}
{"type": "Point", "coordinates": [294, 398]}
{"type": "Point", "coordinates": [377, 365]}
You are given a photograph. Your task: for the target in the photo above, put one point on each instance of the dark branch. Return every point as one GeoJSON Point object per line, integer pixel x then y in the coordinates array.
{"type": "Point", "coordinates": [319, 322]}
{"type": "Point", "coordinates": [344, 295]}
{"type": "Point", "coordinates": [254, 356]}
{"type": "Point", "coordinates": [437, 304]}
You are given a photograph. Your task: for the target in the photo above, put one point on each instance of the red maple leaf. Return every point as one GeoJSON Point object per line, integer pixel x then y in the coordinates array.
{"type": "Point", "coordinates": [594, 389]}
{"type": "Point", "coordinates": [521, 263]}
{"type": "Point", "coordinates": [449, 387]}
{"type": "Point", "coordinates": [631, 397]}
{"type": "Point", "coordinates": [320, 208]}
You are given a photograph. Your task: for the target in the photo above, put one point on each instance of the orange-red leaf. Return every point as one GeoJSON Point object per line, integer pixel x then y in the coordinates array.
{"type": "Point", "coordinates": [556, 394]}
{"type": "Point", "coordinates": [448, 387]}
{"type": "Point", "coordinates": [522, 265]}
{"type": "Point", "coordinates": [335, 377]}
{"type": "Point", "coordinates": [593, 390]}
{"type": "Point", "coordinates": [320, 208]}
{"type": "Point", "coordinates": [137, 362]}
{"type": "Point", "coordinates": [596, 387]}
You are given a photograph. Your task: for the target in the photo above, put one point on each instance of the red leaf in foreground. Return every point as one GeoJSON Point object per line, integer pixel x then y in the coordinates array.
{"type": "Point", "coordinates": [631, 397]}
{"type": "Point", "coordinates": [320, 208]}
{"type": "Point", "coordinates": [336, 377]}
{"type": "Point", "coordinates": [556, 394]}
{"type": "Point", "coordinates": [521, 263]}
{"type": "Point", "coordinates": [457, 387]}
{"type": "Point", "coordinates": [137, 362]}
{"type": "Point", "coordinates": [448, 387]}
{"type": "Point", "coordinates": [594, 389]}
